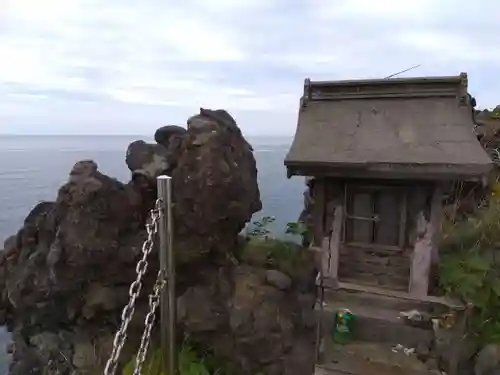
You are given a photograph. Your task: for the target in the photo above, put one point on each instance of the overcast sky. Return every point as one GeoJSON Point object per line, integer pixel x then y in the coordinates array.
{"type": "Point", "coordinates": [129, 66]}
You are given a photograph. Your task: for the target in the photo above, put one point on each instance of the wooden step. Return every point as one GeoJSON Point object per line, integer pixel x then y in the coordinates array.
{"type": "Point", "coordinates": [375, 300]}
{"type": "Point", "coordinates": [360, 358]}
{"type": "Point", "coordinates": [334, 285]}
{"type": "Point", "coordinates": [376, 324]}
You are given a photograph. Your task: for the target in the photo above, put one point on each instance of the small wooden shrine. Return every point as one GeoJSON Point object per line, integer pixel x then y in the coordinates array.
{"type": "Point", "coordinates": [380, 155]}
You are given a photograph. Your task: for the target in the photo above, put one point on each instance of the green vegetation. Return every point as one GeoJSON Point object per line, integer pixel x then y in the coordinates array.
{"type": "Point", "coordinates": [192, 361]}
{"type": "Point", "coordinates": [495, 112]}
{"type": "Point", "coordinates": [298, 229]}
{"type": "Point", "coordinates": [469, 270]}
{"type": "Point", "coordinates": [260, 228]}
{"type": "Point", "coordinates": [263, 249]}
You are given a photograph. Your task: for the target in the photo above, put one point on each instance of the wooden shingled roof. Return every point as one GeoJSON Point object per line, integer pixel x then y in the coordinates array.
{"type": "Point", "coordinates": [396, 128]}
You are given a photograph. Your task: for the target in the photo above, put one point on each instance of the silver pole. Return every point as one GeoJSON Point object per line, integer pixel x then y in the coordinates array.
{"type": "Point", "coordinates": [167, 263]}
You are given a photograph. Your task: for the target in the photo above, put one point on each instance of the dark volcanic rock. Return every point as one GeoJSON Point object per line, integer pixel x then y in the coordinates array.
{"type": "Point", "coordinates": [91, 233]}
{"type": "Point", "coordinates": [65, 276]}
{"type": "Point", "coordinates": [215, 185]}
{"type": "Point", "coordinates": [256, 327]}
{"type": "Point", "coordinates": [166, 135]}
{"type": "Point", "coordinates": [150, 160]}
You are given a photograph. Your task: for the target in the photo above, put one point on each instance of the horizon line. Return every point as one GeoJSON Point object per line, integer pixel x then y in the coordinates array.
{"type": "Point", "coordinates": [113, 135]}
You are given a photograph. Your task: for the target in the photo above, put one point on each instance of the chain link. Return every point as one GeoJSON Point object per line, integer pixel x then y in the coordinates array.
{"type": "Point", "coordinates": [135, 290]}
{"type": "Point", "coordinates": [154, 301]}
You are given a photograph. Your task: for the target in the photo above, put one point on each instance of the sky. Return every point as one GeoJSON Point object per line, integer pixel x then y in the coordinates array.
{"type": "Point", "coordinates": [130, 66]}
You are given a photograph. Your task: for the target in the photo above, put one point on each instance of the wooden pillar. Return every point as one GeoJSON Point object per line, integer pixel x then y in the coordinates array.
{"type": "Point", "coordinates": [425, 247]}
{"type": "Point", "coordinates": [334, 243]}
{"type": "Point", "coordinates": [333, 215]}
{"type": "Point", "coordinates": [318, 196]}
{"type": "Point", "coordinates": [436, 221]}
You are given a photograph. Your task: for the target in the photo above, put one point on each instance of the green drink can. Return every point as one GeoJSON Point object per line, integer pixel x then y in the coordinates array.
{"type": "Point", "coordinates": [343, 324]}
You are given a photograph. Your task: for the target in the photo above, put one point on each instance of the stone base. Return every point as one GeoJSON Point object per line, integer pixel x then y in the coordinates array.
{"type": "Point", "coordinates": [378, 328]}
{"type": "Point", "coordinates": [378, 319]}
{"type": "Point", "coordinates": [369, 359]}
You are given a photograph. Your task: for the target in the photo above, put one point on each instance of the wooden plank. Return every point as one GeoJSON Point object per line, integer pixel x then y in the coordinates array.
{"type": "Point", "coordinates": [334, 196]}
{"type": "Point", "coordinates": [321, 370]}
{"type": "Point", "coordinates": [362, 206]}
{"type": "Point", "coordinates": [423, 249]}
{"type": "Point", "coordinates": [325, 259]}
{"type": "Point", "coordinates": [353, 268]}
{"type": "Point", "coordinates": [374, 247]}
{"type": "Point", "coordinates": [374, 257]}
{"type": "Point", "coordinates": [402, 240]}
{"type": "Point", "coordinates": [351, 287]}
{"type": "Point", "coordinates": [334, 245]}
{"type": "Point", "coordinates": [318, 196]}
{"type": "Point", "coordinates": [380, 281]}
{"type": "Point", "coordinates": [436, 220]}
{"type": "Point", "coordinates": [388, 227]}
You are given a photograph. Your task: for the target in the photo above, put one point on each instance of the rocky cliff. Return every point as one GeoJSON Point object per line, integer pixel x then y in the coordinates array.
{"type": "Point", "coordinates": [65, 276]}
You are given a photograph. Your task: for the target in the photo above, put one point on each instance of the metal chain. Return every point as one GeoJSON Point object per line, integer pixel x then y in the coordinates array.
{"type": "Point", "coordinates": [154, 301]}
{"type": "Point", "coordinates": [134, 291]}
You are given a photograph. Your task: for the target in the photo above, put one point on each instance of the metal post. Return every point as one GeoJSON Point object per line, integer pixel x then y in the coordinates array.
{"type": "Point", "coordinates": [167, 263]}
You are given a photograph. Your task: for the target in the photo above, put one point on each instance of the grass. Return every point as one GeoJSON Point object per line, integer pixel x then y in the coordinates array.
{"type": "Point", "coordinates": [189, 360]}
{"type": "Point", "coordinates": [262, 249]}
{"type": "Point", "coordinates": [273, 253]}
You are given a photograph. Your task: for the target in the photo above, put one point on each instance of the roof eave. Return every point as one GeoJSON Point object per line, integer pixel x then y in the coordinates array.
{"type": "Point", "coordinates": [389, 170]}
{"type": "Point", "coordinates": [390, 81]}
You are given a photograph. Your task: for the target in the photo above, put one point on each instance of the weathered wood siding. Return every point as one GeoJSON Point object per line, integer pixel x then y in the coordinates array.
{"type": "Point", "coordinates": [381, 267]}
{"type": "Point", "coordinates": [387, 265]}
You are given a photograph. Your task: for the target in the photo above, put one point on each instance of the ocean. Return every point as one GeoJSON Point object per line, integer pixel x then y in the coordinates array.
{"type": "Point", "coordinates": [32, 168]}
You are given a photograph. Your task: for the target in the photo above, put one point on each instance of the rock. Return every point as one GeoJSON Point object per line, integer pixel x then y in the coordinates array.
{"type": "Point", "coordinates": [221, 116]}
{"type": "Point", "coordinates": [30, 365]}
{"type": "Point", "coordinates": [101, 297]}
{"type": "Point", "coordinates": [168, 134]}
{"type": "Point", "coordinates": [444, 345]}
{"type": "Point", "coordinates": [262, 323]}
{"type": "Point", "coordinates": [254, 254]}
{"type": "Point", "coordinates": [201, 123]}
{"type": "Point", "coordinates": [198, 310]}
{"type": "Point", "coordinates": [47, 343]}
{"type": "Point", "coordinates": [301, 358]}
{"type": "Point", "coordinates": [278, 279]}
{"type": "Point", "coordinates": [308, 316]}
{"type": "Point", "coordinates": [65, 276]}
{"type": "Point", "coordinates": [149, 160]}
{"type": "Point", "coordinates": [84, 355]}
{"type": "Point", "coordinates": [422, 351]}
{"type": "Point", "coordinates": [216, 191]}
{"type": "Point", "coordinates": [82, 170]}
{"type": "Point", "coordinates": [432, 364]}
{"type": "Point", "coordinates": [487, 360]}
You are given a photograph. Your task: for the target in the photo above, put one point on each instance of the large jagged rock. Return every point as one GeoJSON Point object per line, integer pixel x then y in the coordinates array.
{"type": "Point", "coordinates": [65, 276]}
{"type": "Point", "coordinates": [152, 160]}
{"type": "Point", "coordinates": [253, 323]}
{"type": "Point", "coordinates": [215, 188]}
{"type": "Point", "coordinates": [148, 160]}
{"type": "Point", "coordinates": [168, 135]}
{"type": "Point", "coordinates": [79, 245]}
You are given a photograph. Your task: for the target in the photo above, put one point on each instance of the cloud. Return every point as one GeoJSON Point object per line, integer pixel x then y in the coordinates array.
{"type": "Point", "coordinates": [92, 66]}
